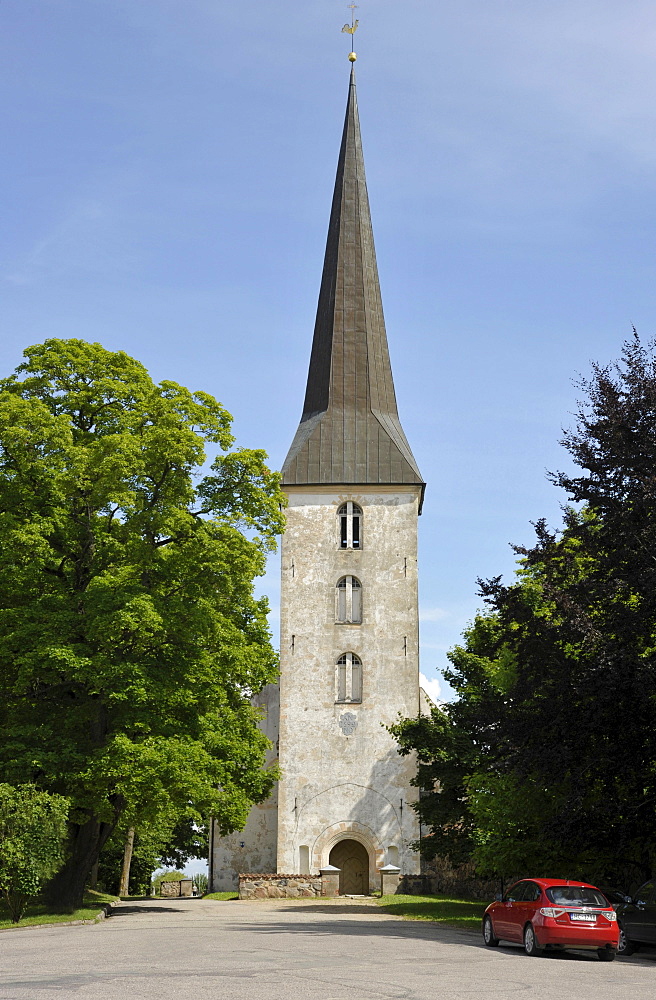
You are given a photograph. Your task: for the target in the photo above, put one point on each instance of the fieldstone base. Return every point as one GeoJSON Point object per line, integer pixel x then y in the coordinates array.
{"type": "Point", "coordinates": [279, 886]}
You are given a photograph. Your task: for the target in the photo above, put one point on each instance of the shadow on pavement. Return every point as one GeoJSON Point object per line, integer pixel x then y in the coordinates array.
{"type": "Point", "coordinates": [125, 910]}
{"type": "Point", "coordinates": [346, 909]}
{"type": "Point", "coordinates": [365, 928]}
{"type": "Point", "coordinates": [419, 929]}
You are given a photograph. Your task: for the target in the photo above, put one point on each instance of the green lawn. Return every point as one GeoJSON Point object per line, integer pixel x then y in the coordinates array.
{"type": "Point", "coordinates": [443, 909]}
{"type": "Point", "coordinates": [221, 895]}
{"type": "Point", "coordinates": [38, 913]}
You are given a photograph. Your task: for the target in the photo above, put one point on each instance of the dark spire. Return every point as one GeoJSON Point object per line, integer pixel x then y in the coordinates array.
{"type": "Point", "coordinates": [350, 430]}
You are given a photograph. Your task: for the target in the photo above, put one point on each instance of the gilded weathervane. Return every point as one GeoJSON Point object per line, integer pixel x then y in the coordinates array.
{"type": "Point", "coordinates": [351, 29]}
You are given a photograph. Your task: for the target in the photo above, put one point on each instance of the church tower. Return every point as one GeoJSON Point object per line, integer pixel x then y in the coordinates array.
{"type": "Point", "coordinates": [349, 658]}
{"type": "Point", "coordinates": [349, 618]}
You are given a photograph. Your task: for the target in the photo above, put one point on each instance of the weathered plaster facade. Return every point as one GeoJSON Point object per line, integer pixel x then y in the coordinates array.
{"type": "Point", "coordinates": [347, 781]}
{"type": "Point", "coordinates": [252, 849]}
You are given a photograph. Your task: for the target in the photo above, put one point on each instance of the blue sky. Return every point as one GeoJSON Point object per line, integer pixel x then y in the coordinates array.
{"type": "Point", "coordinates": [167, 179]}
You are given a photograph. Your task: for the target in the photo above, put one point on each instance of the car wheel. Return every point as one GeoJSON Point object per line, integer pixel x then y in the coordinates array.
{"type": "Point", "coordinates": [489, 937]}
{"type": "Point", "coordinates": [624, 945]}
{"type": "Point", "coordinates": [531, 946]}
{"type": "Point", "coordinates": [606, 954]}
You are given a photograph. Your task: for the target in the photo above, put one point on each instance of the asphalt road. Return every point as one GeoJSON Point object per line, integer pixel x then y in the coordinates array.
{"type": "Point", "coordinates": [293, 950]}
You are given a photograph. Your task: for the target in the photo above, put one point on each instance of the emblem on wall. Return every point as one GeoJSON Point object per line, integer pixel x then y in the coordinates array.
{"type": "Point", "coordinates": [347, 723]}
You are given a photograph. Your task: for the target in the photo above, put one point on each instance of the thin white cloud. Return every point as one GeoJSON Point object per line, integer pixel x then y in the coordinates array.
{"type": "Point", "coordinates": [431, 686]}
{"type": "Point", "coordinates": [432, 614]}
{"type": "Point", "coordinates": [94, 234]}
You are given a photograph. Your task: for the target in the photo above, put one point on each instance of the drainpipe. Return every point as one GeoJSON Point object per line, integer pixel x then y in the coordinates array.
{"type": "Point", "coordinates": [210, 860]}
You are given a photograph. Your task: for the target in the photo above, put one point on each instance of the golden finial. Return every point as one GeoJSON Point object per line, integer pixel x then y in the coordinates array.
{"type": "Point", "coordinates": [351, 29]}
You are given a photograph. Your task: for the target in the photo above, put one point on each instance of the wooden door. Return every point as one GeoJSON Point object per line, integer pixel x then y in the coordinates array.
{"type": "Point", "coordinates": [352, 859]}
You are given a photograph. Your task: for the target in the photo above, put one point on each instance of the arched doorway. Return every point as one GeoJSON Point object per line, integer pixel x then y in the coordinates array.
{"type": "Point", "coordinates": [351, 857]}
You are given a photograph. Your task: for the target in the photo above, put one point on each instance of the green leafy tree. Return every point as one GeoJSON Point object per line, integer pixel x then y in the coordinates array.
{"type": "Point", "coordinates": [458, 740]}
{"type": "Point", "coordinates": [168, 842]}
{"type": "Point", "coordinates": [130, 639]}
{"type": "Point", "coordinates": [32, 832]}
{"type": "Point", "coordinates": [188, 839]}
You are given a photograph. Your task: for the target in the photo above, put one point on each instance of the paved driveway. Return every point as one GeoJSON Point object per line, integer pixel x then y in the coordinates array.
{"type": "Point", "coordinates": [292, 950]}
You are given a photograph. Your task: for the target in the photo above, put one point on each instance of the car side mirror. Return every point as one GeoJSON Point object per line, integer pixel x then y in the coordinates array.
{"type": "Point", "coordinates": [498, 897]}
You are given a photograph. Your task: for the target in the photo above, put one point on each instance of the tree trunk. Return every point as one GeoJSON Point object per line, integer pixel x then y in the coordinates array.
{"type": "Point", "coordinates": [66, 890]}
{"type": "Point", "coordinates": [124, 884]}
{"type": "Point", "coordinates": [93, 878]}
{"type": "Point", "coordinates": [16, 903]}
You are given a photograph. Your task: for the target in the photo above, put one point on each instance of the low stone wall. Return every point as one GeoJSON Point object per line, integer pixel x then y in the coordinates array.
{"type": "Point", "coordinates": [467, 887]}
{"type": "Point", "coordinates": [177, 887]}
{"type": "Point", "coordinates": [440, 877]}
{"type": "Point", "coordinates": [279, 886]}
{"type": "Point", "coordinates": [417, 885]}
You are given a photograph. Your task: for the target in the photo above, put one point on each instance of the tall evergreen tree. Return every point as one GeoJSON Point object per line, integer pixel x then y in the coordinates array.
{"type": "Point", "coordinates": [557, 684]}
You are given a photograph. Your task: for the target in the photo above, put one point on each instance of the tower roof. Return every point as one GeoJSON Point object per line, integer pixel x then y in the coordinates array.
{"type": "Point", "coordinates": [350, 431]}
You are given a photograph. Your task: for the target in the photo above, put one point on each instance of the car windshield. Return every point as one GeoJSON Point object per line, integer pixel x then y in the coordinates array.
{"type": "Point", "coordinates": [576, 895]}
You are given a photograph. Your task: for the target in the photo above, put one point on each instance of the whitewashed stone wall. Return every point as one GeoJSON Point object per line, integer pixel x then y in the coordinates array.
{"type": "Point", "coordinates": [259, 836]}
{"type": "Point", "coordinates": [342, 775]}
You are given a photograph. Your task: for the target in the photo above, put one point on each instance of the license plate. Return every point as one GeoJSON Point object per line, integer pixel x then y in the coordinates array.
{"type": "Point", "coordinates": [586, 918]}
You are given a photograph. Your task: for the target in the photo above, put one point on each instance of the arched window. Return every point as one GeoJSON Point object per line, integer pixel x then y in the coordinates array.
{"type": "Point", "coordinates": [350, 526]}
{"type": "Point", "coordinates": [348, 603]}
{"type": "Point", "coordinates": [349, 678]}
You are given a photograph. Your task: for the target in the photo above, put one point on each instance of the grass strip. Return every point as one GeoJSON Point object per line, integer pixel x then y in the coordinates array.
{"type": "Point", "coordinates": [464, 913]}
{"type": "Point", "coordinates": [221, 895]}
{"type": "Point", "coordinates": [39, 912]}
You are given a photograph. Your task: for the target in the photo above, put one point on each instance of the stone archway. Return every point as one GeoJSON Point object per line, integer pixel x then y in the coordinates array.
{"type": "Point", "coordinates": [351, 857]}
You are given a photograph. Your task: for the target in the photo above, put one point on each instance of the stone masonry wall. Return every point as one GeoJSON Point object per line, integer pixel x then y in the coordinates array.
{"type": "Point", "coordinates": [253, 848]}
{"type": "Point", "coordinates": [439, 876]}
{"type": "Point", "coordinates": [177, 887]}
{"type": "Point", "coordinates": [279, 886]}
{"type": "Point", "coordinates": [342, 775]}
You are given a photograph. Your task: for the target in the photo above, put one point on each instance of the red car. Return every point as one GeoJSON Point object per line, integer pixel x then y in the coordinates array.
{"type": "Point", "coordinates": [547, 913]}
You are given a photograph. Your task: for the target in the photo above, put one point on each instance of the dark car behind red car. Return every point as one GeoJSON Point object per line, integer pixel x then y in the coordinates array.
{"type": "Point", "coordinates": [637, 919]}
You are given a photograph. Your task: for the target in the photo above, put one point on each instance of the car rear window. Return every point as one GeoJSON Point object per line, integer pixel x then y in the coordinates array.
{"type": "Point", "coordinates": [576, 895]}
